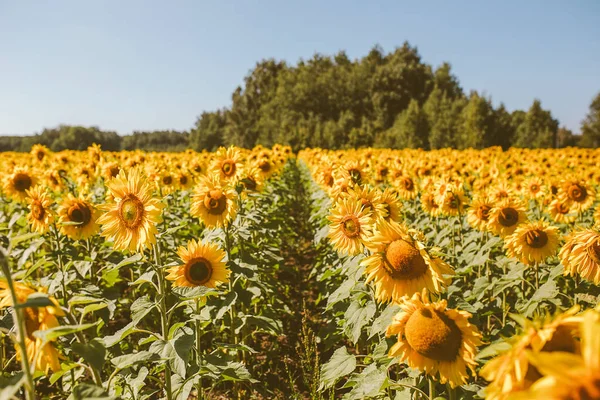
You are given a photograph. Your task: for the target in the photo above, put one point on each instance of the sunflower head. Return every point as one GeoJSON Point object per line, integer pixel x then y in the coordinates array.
{"type": "Point", "coordinates": [581, 255]}
{"type": "Point", "coordinates": [78, 217]}
{"type": "Point", "coordinates": [533, 242]}
{"type": "Point", "coordinates": [213, 203]}
{"type": "Point", "coordinates": [203, 265]}
{"type": "Point", "coordinates": [506, 217]}
{"type": "Point", "coordinates": [40, 214]}
{"type": "Point", "coordinates": [350, 225]}
{"type": "Point", "coordinates": [19, 182]}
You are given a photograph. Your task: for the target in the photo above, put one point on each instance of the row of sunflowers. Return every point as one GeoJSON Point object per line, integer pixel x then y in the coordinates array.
{"type": "Point", "coordinates": [469, 274]}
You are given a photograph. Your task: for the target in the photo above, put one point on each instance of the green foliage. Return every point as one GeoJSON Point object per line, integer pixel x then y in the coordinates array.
{"type": "Point", "coordinates": [538, 129]}
{"type": "Point", "coordinates": [590, 127]}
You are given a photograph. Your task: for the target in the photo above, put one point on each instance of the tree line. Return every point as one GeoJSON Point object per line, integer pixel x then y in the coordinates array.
{"type": "Point", "coordinates": [381, 100]}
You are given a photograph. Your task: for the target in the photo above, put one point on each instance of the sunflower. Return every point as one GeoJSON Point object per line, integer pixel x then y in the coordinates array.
{"type": "Point", "coordinates": [478, 214]}
{"type": "Point", "coordinates": [184, 180]}
{"type": "Point", "coordinates": [581, 255]}
{"type": "Point", "coordinates": [435, 339]}
{"type": "Point", "coordinates": [40, 212]}
{"type": "Point", "coordinates": [370, 199]}
{"type": "Point", "coordinates": [350, 226]}
{"type": "Point", "coordinates": [429, 205]}
{"type": "Point", "coordinates": [44, 357]}
{"type": "Point", "coordinates": [568, 376]}
{"type": "Point", "coordinates": [17, 183]}
{"type": "Point", "coordinates": [510, 372]}
{"type": "Point", "coordinates": [252, 179]}
{"type": "Point", "coordinates": [534, 189]}
{"type": "Point", "coordinates": [227, 163]}
{"type": "Point", "coordinates": [392, 207]}
{"type": "Point", "coordinates": [502, 192]}
{"type": "Point", "coordinates": [560, 211]}
{"type": "Point", "coordinates": [452, 201]}
{"type": "Point", "coordinates": [401, 265]}
{"type": "Point", "coordinates": [78, 217]}
{"type": "Point", "coordinates": [110, 170]}
{"type": "Point", "coordinates": [506, 217]}
{"type": "Point", "coordinates": [533, 242]}
{"type": "Point", "coordinates": [203, 266]}
{"type": "Point", "coordinates": [579, 193]}
{"type": "Point", "coordinates": [407, 190]}
{"type": "Point", "coordinates": [131, 219]}
{"type": "Point", "coordinates": [165, 181]}
{"type": "Point", "coordinates": [39, 152]}
{"type": "Point", "coordinates": [213, 203]}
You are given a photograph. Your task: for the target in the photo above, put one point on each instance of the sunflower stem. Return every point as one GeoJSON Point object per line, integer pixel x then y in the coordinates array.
{"type": "Point", "coordinates": [431, 388]}
{"type": "Point", "coordinates": [162, 294]}
{"type": "Point", "coordinates": [199, 388]}
{"type": "Point", "coordinates": [451, 392]}
{"type": "Point", "coordinates": [232, 312]}
{"type": "Point", "coordinates": [21, 332]}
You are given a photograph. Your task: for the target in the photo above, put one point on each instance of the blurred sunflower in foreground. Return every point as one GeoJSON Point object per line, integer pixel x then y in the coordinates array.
{"type": "Point", "coordinates": [43, 356]}
{"type": "Point", "coordinates": [435, 339]}
{"type": "Point", "coordinates": [581, 255]}
{"type": "Point", "coordinates": [203, 266]}
{"type": "Point", "coordinates": [131, 220]}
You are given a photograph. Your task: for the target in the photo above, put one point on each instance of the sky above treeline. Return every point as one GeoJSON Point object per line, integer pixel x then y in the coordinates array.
{"type": "Point", "coordinates": [154, 65]}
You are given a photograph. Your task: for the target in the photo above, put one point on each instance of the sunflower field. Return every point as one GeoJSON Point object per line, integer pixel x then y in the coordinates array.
{"type": "Point", "coordinates": [264, 274]}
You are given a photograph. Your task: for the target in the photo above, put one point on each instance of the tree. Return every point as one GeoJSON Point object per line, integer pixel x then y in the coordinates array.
{"type": "Point", "coordinates": [477, 124]}
{"type": "Point", "coordinates": [538, 129]}
{"type": "Point", "coordinates": [444, 119]}
{"type": "Point", "coordinates": [209, 131]}
{"type": "Point", "coordinates": [410, 130]}
{"type": "Point", "coordinates": [590, 126]}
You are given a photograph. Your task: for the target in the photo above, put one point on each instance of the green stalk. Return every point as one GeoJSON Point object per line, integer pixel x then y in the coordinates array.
{"type": "Point", "coordinates": [199, 349]}
{"type": "Point", "coordinates": [431, 388]}
{"type": "Point", "coordinates": [163, 314]}
{"type": "Point", "coordinates": [21, 332]}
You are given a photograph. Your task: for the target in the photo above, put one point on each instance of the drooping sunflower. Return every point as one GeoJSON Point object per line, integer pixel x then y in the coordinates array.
{"type": "Point", "coordinates": [350, 226]}
{"type": "Point", "coordinates": [560, 211]}
{"type": "Point", "coordinates": [401, 265]}
{"type": "Point", "coordinates": [131, 219]}
{"type": "Point", "coordinates": [478, 214]}
{"type": "Point", "coordinates": [435, 339]}
{"type": "Point", "coordinates": [227, 164]}
{"type": "Point", "coordinates": [36, 319]}
{"type": "Point", "coordinates": [581, 194]}
{"type": "Point", "coordinates": [17, 183]}
{"type": "Point", "coordinates": [392, 207]}
{"type": "Point", "coordinates": [581, 255]}
{"type": "Point", "coordinates": [252, 179]}
{"type": "Point", "coordinates": [533, 242]}
{"type": "Point", "coordinates": [40, 212]}
{"type": "Point", "coordinates": [511, 372]}
{"type": "Point", "coordinates": [568, 376]}
{"type": "Point", "coordinates": [452, 202]}
{"type": "Point", "coordinates": [506, 217]}
{"type": "Point", "coordinates": [213, 203]}
{"type": "Point", "coordinates": [203, 265]}
{"type": "Point", "coordinates": [78, 217]}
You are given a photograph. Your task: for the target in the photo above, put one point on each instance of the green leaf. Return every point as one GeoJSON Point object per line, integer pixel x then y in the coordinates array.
{"type": "Point", "coordinates": [93, 352]}
{"type": "Point", "coordinates": [11, 385]}
{"type": "Point", "coordinates": [64, 368]}
{"type": "Point", "coordinates": [36, 300]}
{"type": "Point", "coordinates": [53, 333]}
{"type": "Point", "coordinates": [131, 359]}
{"type": "Point", "coordinates": [357, 317]}
{"type": "Point", "coordinates": [193, 292]}
{"type": "Point", "coordinates": [228, 301]}
{"type": "Point", "coordinates": [176, 351]}
{"type": "Point", "coordinates": [383, 320]}
{"type": "Point", "coordinates": [366, 384]}
{"type": "Point", "coordinates": [21, 238]}
{"type": "Point", "coordinates": [139, 309]}
{"type": "Point", "coordinates": [85, 391]}
{"type": "Point", "coordinates": [340, 364]}
{"type": "Point", "coordinates": [226, 370]}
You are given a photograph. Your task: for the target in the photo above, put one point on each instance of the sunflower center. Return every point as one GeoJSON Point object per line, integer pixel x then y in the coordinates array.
{"type": "Point", "coordinates": [452, 201]}
{"type": "Point", "coordinates": [508, 216]}
{"type": "Point", "coordinates": [40, 155]}
{"type": "Point", "coordinates": [483, 212]}
{"type": "Point", "coordinates": [562, 340]}
{"type": "Point", "coordinates": [408, 184]}
{"type": "Point", "coordinates": [351, 226]}
{"type": "Point", "coordinates": [183, 180]}
{"type": "Point", "coordinates": [198, 271]}
{"type": "Point", "coordinates": [355, 175]}
{"type": "Point", "coordinates": [22, 182]}
{"type": "Point", "coordinates": [589, 390]}
{"type": "Point", "coordinates": [113, 171]}
{"type": "Point", "coordinates": [433, 335]}
{"type": "Point", "coordinates": [536, 238]}
{"type": "Point", "coordinates": [215, 202]}
{"type": "Point", "coordinates": [228, 167]}
{"type": "Point", "coordinates": [264, 166]}
{"type": "Point", "coordinates": [167, 180]}
{"type": "Point", "coordinates": [562, 208]}
{"type": "Point", "coordinates": [80, 213]}
{"type": "Point", "coordinates": [593, 251]}
{"type": "Point", "coordinates": [37, 210]}
{"type": "Point", "coordinates": [131, 210]}
{"type": "Point", "coordinates": [403, 261]}
{"type": "Point", "coordinates": [577, 192]}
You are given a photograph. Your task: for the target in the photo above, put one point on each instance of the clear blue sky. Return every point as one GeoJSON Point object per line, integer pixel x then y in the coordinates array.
{"type": "Point", "coordinates": [144, 65]}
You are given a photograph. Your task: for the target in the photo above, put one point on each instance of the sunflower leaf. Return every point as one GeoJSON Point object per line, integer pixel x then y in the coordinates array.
{"type": "Point", "coordinates": [339, 365]}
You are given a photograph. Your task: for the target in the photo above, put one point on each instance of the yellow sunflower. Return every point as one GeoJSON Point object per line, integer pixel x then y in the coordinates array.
{"type": "Point", "coordinates": [252, 179]}
{"type": "Point", "coordinates": [533, 242]}
{"type": "Point", "coordinates": [78, 217]}
{"type": "Point", "coordinates": [581, 195]}
{"type": "Point", "coordinates": [506, 217]}
{"type": "Point", "coordinates": [478, 214]}
{"type": "Point", "coordinates": [131, 219]}
{"type": "Point", "coordinates": [213, 203]}
{"type": "Point", "coordinates": [39, 152]}
{"type": "Point", "coordinates": [44, 357]}
{"type": "Point", "coordinates": [452, 201]}
{"type": "Point", "coordinates": [568, 376]}
{"type": "Point", "coordinates": [370, 199]}
{"type": "Point", "coordinates": [581, 255]}
{"type": "Point", "coordinates": [110, 170]}
{"type": "Point", "coordinates": [560, 211]}
{"type": "Point", "coordinates": [435, 339]}
{"type": "Point", "coordinates": [407, 190]}
{"type": "Point", "coordinates": [17, 183]}
{"type": "Point", "coordinates": [204, 265]}
{"type": "Point", "coordinates": [392, 207]}
{"type": "Point", "coordinates": [40, 212]}
{"type": "Point", "coordinates": [227, 164]}
{"type": "Point", "coordinates": [429, 205]}
{"type": "Point", "coordinates": [534, 189]}
{"type": "Point", "coordinates": [401, 265]}
{"type": "Point", "coordinates": [350, 226]}
{"type": "Point", "coordinates": [511, 372]}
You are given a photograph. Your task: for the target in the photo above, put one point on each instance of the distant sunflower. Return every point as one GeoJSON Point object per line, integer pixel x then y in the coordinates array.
{"type": "Point", "coordinates": [502, 192]}
{"type": "Point", "coordinates": [350, 225]}
{"type": "Point", "coordinates": [227, 163]}
{"type": "Point", "coordinates": [39, 152]}
{"type": "Point", "coordinates": [560, 211]}
{"type": "Point", "coordinates": [452, 202]}
{"type": "Point", "coordinates": [435, 339]}
{"type": "Point", "coordinates": [252, 179]}
{"type": "Point", "coordinates": [407, 190]}
{"type": "Point", "coordinates": [401, 265]}
{"type": "Point", "coordinates": [369, 197]}
{"type": "Point", "coordinates": [392, 207]}
{"type": "Point", "coordinates": [131, 219]}
{"type": "Point", "coordinates": [533, 242]}
{"type": "Point", "coordinates": [429, 205]}
{"type": "Point", "coordinates": [568, 376]}
{"type": "Point", "coordinates": [40, 212]}
{"type": "Point", "coordinates": [506, 217]}
{"type": "Point", "coordinates": [78, 217]}
{"type": "Point", "coordinates": [478, 214]}
{"type": "Point", "coordinates": [165, 181]}
{"type": "Point", "coordinates": [581, 255]}
{"type": "Point", "coordinates": [17, 183]}
{"type": "Point", "coordinates": [534, 188]}
{"type": "Point", "coordinates": [36, 319]}
{"type": "Point", "coordinates": [581, 195]}
{"type": "Point", "coordinates": [213, 203]}
{"type": "Point", "coordinates": [511, 372]}
{"type": "Point", "coordinates": [110, 170]}
{"type": "Point", "coordinates": [203, 266]}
